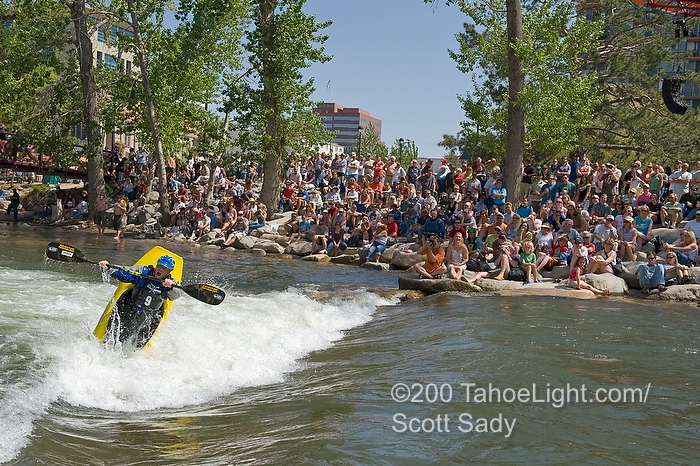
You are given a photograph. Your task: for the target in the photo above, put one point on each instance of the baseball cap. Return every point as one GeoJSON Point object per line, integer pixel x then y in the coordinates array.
{"type": "Point", "coordinates": [471, 230]}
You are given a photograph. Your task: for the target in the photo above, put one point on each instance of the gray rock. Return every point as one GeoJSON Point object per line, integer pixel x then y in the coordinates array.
{"type": "Point", "coordinates": [254, 252]}
{"type": "Point", "coordinates": [299, 248]}
{"type": "Point", "coordinates": [681, 293]}
{"type": "Point", "coordinates": [405, 260]}
{"type": "Point", "coordinates": [150, 210]}
{"type": "Point", "coordinates": [269, 247]}
{"type": "Point", "coordinates": [616, 285]}
{"type": "Point", "coordinates": [347, 259]}
{"type": "Point", "coordinates": [489, 284]}
{"type": "Point", "coordinates": [375, 266]}
{"type": "Point", "coordinates": [560, 272]}
{"type": "Point", "coordinates": [629, 273]}
{"type": "Point", "coordinates": [244, 242]}
{"type": "Point", "coordinates": [316, 258]}
{"type": "Point", "coordinates": [410, 281]}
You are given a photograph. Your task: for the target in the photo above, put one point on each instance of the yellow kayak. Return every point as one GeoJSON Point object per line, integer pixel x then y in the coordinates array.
{"type": "Point", "coordinates": [110, 327]}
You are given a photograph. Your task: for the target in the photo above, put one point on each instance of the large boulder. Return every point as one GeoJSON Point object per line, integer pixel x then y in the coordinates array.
{"type": "Point", "coordinates": [405, 260]}
{"type": "Point", "coordinates": [560, 271]}
{"type": "Point", "coordinates": [616, 285]}
{"type": "Point", "coordinates": [347, 259]}
{"type": "Point", "coordinates": [323, 258]}
{"type": "Point", "coordinates": [299, 248]}
{"type": "Point", "coordinates": [694, 274]}
{"type": "Point", "coordinates": [628, 272]}
{"type": "Point", "coordinates": [681, 293]}
{"type": "Point", "coordinates": [244, 242]}
{"type": "Point", "coordinates": [410, 281]}
{"type": "Point", "coordinates": [375, 266]}
{"type": "Point", "coordinates": [269, 247]}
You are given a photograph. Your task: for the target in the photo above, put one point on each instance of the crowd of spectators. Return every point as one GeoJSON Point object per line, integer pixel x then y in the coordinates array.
{"type": "Point", "coordinates": [586, 216]}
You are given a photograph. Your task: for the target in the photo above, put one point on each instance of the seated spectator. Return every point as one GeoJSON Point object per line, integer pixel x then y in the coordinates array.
{"type": "Point", "coordinates": [80, 210]}
{"type": "Point", "coordinates": [628, 239]}
{"type": "Point", "coordinates": [685, 248]}
{"type": "Point", "coordinates": [474, 244]}
{"type": "Point", "coordinates": [675, 273]}
{"type": "Point", "coordinates": [575, 278]}
{"type": "Point", "coordinates": [457, 256]}
{"type": "Point", "coordinates": [671, 212]}
{"type": "Point", "coordinates": [504, 257]}
{"type": "Point", "coordinates": [605, 231]}
{"type": "Point", "coordinates": [603, 261]}
{"type": "Point", "coordinates": [319, 234]}
{"type": "Point", "coordinates": [379, 244]}
{"type": "Point", "coordinates": [643, 224]}
{"type": "Point", "coordinates": [651, 275]}
{"type": "Point", "coordinates": [434, 257]}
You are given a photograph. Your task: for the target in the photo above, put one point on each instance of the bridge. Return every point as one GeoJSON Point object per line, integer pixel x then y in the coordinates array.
{"type": "Point", "coordinates": [28, 161]}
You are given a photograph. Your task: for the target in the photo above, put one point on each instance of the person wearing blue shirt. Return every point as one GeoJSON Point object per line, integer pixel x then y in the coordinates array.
{"type": "Point", "coordinates": [498, 196]}
{"type": "Point", "coordinates": [140, 310]}
{"type": "Point", "coordinates": [549, 190]}
{"type": "Point", "coordinates": [434, 225]}
{"type": "Point", "coordinates": [524, 210]}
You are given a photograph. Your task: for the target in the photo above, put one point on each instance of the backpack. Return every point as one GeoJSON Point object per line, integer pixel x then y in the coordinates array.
{"type": "Point", "coordinates": [516, 274]}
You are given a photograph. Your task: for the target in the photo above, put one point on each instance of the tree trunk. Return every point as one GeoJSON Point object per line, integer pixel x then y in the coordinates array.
{"type": "Point", "coordinates": [151, 110]}
{"type": "Point", "coordinates": [512, 166]}
{"type": "Point", "coordinates": [272, 148]}
{"type": "Point", "coordinates": [91, 117]}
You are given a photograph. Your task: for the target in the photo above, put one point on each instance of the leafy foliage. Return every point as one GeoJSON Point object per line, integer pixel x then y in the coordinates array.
{"type": "Point", "coordinates": [556, 95]}
{"type": "Point", "coordinates": [38, 77]}
{"type": "Point", "coordinates": [630, 118]}
{"type": "Point", "coordinates": [404, 151]}
{"type": "Point", "coordinates": [371, 144]}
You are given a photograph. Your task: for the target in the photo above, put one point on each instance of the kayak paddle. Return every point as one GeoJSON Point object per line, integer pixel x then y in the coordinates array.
{"type": "Point", "coordinates": [65, 253]}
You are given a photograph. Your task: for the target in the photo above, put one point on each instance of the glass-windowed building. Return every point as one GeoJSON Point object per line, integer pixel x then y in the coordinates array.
{"type": "Point", "coordinates": [347, 123]}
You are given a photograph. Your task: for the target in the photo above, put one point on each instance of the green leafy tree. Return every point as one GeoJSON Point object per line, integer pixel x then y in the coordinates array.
{"type": "Point", "coordinates": [630, 120]}
{"type": "Point", "coordinates": [371, 144]}
{"type": "Point", "coordinates": [180, 69]}
{"type": "Point", "coordinates": [274, 104]}
{"type": "Point", "coordinates": [41, 88]}
{"type": "Point", "coordinates": [404, 150]}
{"type": "Point", "coordinates": [556, 91]}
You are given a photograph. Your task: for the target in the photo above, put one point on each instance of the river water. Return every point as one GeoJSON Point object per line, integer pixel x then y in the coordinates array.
{"type": "Point", "coordinates": [300, 363]}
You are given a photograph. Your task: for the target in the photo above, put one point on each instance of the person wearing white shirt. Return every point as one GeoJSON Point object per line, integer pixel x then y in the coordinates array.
{"type": "Point", "coordinates": [680, 178]}
{"type": "Point", "coordinates": [694, 225]}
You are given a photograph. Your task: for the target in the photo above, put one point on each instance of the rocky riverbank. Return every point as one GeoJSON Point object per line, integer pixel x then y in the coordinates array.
{"type": "Point", "coordinates": [398, 258]}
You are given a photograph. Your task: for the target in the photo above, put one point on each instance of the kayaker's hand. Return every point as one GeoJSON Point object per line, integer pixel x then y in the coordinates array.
{"type": "Point", "coordinates": [168, 283]}
{"type": "Point", "coordinates": [104, 265]}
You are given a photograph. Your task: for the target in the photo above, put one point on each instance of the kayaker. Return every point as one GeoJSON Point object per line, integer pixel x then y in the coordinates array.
{"type": "Point", "coordinates": [141, 309]}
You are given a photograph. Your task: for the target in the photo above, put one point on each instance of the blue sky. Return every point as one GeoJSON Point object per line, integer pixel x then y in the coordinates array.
{"type": "Point", "coordinates": [390, 58]}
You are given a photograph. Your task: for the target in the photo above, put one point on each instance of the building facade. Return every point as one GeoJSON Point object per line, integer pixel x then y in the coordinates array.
{"type": "Point", "coordinates": [347, 123]}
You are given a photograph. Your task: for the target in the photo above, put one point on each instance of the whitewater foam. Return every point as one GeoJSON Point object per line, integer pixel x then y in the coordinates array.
{"type": "Point", "coordinates": [201, 353]}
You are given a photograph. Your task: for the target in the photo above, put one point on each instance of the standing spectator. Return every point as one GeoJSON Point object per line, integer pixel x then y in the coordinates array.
{"type": "Point", "coordinates": [498, 195]}
{"type": "Point", "coordinates": [120, 208]}
{"type": "Point", "coordinates": [14, 203]}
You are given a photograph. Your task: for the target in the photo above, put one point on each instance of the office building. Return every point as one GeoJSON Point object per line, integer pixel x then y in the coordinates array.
{"type": "Point", "coordinates": [347, 123]}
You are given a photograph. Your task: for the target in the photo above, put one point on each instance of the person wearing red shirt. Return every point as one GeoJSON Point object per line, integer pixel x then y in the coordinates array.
{"type": "Point", "coordinates": [378, 167]}
{"type": "Point", "coordinates": [287, 195]}
{"type": "Point", "coordinates": [457, 228]}
{"type": "Point", "coordinates": [392, 228]}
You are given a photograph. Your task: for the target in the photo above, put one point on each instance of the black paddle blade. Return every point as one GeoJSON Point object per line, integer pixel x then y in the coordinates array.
{"type": "Point", "coordinates": [205, 293]}
{"type": "Point", "coordinates": [64, 253]}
